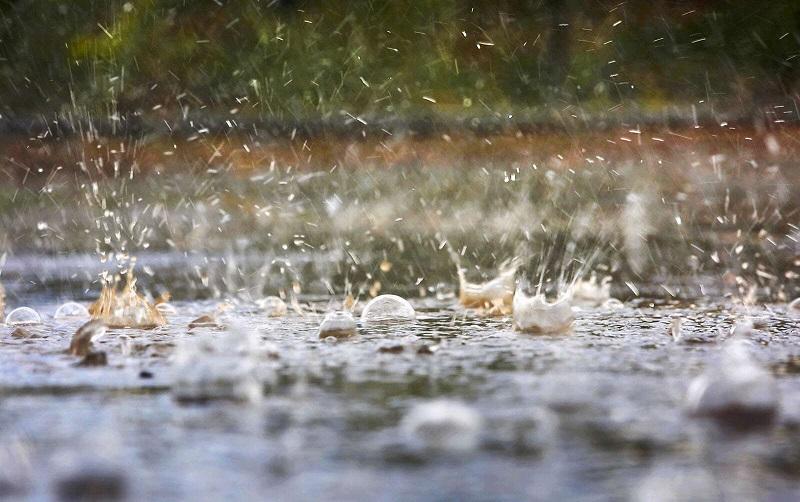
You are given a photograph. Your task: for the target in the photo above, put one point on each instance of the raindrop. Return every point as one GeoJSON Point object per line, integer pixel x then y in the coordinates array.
{"type": "Point", "coordinates": [442, 425]}
{"type": "Point", "coordinates": [339, 324]}
{"type": "Point", "coordinates": [71, 310]}
{"type": "Point", "coordinates": [388, 308]}
{"type": "Point", "coordinates": [23, 316]}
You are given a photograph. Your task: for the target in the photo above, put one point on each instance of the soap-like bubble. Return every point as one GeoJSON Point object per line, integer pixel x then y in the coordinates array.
{"type": "Point", "coordinates": [71, 310]}
{"type": "Point", "coordinates": [339, 324]}
{"type": "Point", "coordinates": [388, 308]}
{"type": "Point", "coordinates": [443, 426]}
{"type": "Point", "coordinates": [273, 306]}
{"type": "Point", "coordinates": [23, 316]}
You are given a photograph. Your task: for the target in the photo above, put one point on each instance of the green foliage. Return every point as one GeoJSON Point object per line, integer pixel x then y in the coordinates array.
{"type": "Point", "coordinates": [317, 58]}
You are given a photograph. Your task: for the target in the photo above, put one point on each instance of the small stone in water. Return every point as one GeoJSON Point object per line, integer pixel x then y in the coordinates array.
{"type": "Point", "coordinates": [736, 390]}
{"type": "Point", "coordinates": [427, 350]}
{"type": "Point", "coordinates": [21, 333]}
{"type": "Point", "coordinates": [23, 316]}
{"type": "Point", "coordinates": [339, 324]}
{"type": "Point", "coordinates": [71, 310]}
{"type": "Point", "coordinates": [273, 306]}
{"type": "Point", "coordinates": [388, 308]}
{"type": "Point", "coordinates": [145, 374]}
{"type": "Point", "coordinates": [442, 425]}
{"type": "Point", "coordinates": [81, 343]}
{"type": "Point", "coordinates": [204, 321]}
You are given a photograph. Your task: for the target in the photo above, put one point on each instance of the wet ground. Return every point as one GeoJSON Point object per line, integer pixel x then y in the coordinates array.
{"type": "Point", "coordinates": [595, 414]}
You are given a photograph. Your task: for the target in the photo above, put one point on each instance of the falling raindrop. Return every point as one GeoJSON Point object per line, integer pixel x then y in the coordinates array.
{"type": "Point", "coordinates": [534, 314]}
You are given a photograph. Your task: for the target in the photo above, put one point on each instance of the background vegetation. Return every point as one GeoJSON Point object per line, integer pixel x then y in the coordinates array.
{"type": "Point", "coordinates": [297, 59]}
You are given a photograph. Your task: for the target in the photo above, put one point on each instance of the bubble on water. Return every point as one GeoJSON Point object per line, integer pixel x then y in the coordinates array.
{"type": "Point", "coordinates": [388, 308]}
{"type": "Point", "coordinates": [735, 389]}
{"type": "Point", "coordinates": [217, 367]}
{"type": "Point", "coordinates": [794, 308]}
{"type": "Point", "coordinates": [591, 293]}
{"type": "Point", "coordinates": [273, 306]}
{"type": "Point", "coordinates": [23, 316]}
{"type": "Point", "coordinates": [613, 304]}
{"type": "Point", "coordinates": [534, 314]}
{"type": "Point", "coordinates": [442, 425]}
{"type": "Point", "coordinates": [339, 324]}
{"type": "Point", "coordinates": [71, 310]}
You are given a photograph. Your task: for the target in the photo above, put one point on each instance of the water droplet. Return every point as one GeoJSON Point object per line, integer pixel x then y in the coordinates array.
{"type": "Point", "coordinates": [388, 308]}
{"type": "Point", "coordinates": [23, 316]}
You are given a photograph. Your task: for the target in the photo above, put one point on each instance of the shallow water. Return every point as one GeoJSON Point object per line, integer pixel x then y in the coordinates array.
{"type": "Point", "coordinates": [595, 414]}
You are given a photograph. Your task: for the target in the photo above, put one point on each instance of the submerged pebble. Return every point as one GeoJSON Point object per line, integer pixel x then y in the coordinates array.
{"type": "Point", "coordinates": [534, 314]}
{"type": "Point", "coordinates": [23, 316]}
{"type": "Point", "coordinates": [443, 426]}
{"type": "Point", "coordinates": [339, 324]}
{"type": "Point", "coordinates": [388, 308]}
{"type": "Point", "coordinates": [71, 310]}
{"type": "Point", "coordinates": [735, 389]}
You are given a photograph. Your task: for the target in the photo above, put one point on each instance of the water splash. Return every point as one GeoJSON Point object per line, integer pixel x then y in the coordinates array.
{"type": "Point", "coordinates": [494, 297]}
{"type": "Point", "coordinates": [81, 344]}
{"type": "Point", "coordinates": [591, 293]}
{"type": "Point", "coordinates": [125, 308]}
{"type": "Point", "coordinates": [273, 306]}
{"type": "Point", "coordinates": [534, 314]}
